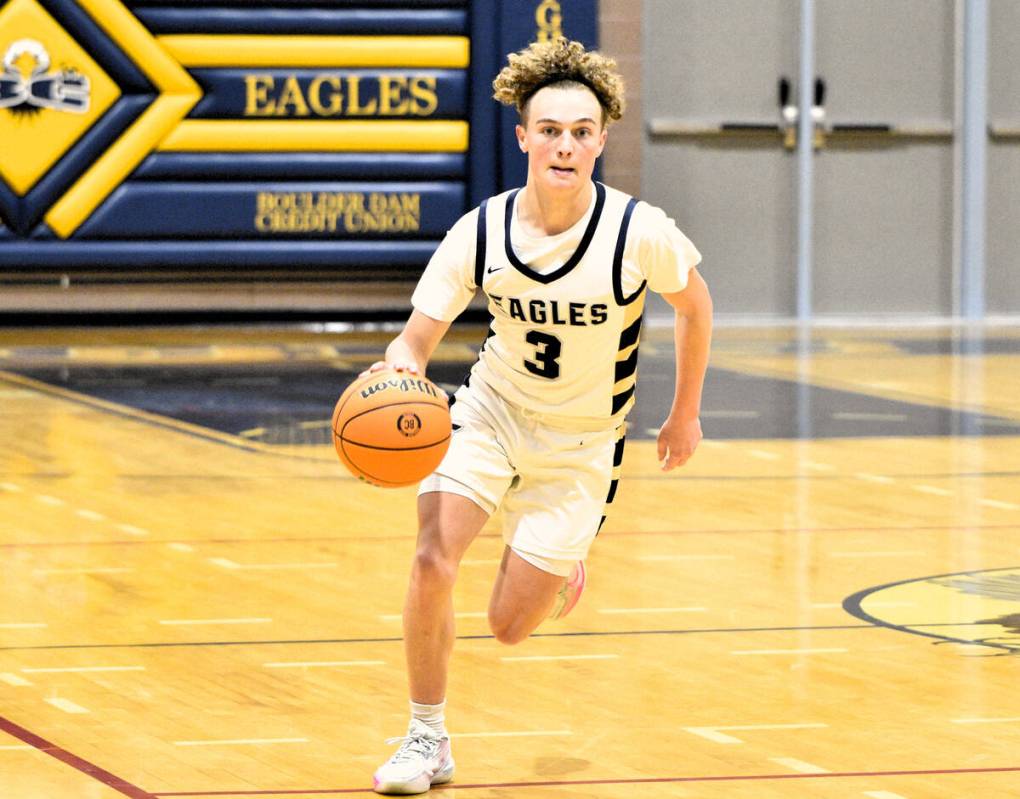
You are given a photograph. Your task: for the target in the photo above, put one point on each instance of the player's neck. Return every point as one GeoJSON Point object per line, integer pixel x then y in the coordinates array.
{"type": "Point", "coordinates": [548, 213]}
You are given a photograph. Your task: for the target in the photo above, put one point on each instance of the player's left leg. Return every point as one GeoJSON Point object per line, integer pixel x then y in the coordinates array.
{"type": "Point", "coordinates": [523, 597]}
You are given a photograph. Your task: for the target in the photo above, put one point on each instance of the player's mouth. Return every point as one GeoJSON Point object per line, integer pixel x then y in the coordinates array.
{"type": "Point", "coordinates": [563, 171]}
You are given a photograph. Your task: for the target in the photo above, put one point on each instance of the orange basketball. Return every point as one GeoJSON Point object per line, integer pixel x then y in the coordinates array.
{"type": "Point", "coordinates": [391, 428]}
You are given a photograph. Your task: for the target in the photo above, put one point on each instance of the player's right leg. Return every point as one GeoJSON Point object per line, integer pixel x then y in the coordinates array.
{"type": "Point", "coordinates": [448, 523]}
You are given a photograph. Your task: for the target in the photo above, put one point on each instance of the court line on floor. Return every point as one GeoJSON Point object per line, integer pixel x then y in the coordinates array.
{"type": "Point", "coordinates": [85, 767]}
{"type": "Point", "coordinates": [799, 766]}
{"type": "Point", "coordinates": [152, 419]}
{"type": "Point", "coordinates": [398, 639]}
{"type": "Point", "coordinates": [634, 781]}
{"type": "Point", "coordinates": [410, 536]}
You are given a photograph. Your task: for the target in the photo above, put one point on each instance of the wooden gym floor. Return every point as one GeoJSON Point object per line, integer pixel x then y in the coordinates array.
{"type": "Point", "coordinates": [197, 602]}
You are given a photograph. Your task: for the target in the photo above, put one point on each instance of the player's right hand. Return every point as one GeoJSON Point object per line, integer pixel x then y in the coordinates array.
{"type": "Point", "coordinates": [380, 366]}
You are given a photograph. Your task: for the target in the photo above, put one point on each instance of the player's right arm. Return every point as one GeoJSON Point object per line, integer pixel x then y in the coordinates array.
{"type": "Point", "coordinates": [413, 348]}
{"type": "Point", "coordinates": [444, 290]}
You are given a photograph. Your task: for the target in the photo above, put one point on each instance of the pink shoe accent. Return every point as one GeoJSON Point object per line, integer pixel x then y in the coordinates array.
{"type": "Point", "coordinates": [571, 592]}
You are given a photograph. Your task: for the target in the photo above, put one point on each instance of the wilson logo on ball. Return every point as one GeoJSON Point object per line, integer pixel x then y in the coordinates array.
{"type": "Point", "coordinates": [409, 424]}
{"type": "Point", "coordinates": [405, 385]}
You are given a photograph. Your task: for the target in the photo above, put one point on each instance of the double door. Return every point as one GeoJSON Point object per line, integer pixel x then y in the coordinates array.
{"type": "Point", "coordinates": [721, 97]}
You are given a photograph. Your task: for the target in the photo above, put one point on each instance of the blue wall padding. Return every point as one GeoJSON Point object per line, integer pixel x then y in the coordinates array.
{"type": "Point", "coordinates": [275, 210]}
{"type": "Point", "coordinates": [295, 166]}
{"type": "Point", "coordinates": [317, 21]}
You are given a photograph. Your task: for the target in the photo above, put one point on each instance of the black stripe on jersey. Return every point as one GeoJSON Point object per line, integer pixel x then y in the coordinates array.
{"type": "Point", "coordinates": [626, 368]}
{"type": "Point", "coordinates": [621, 243]}
{"type": "Point", "coordinates": [480, 245]}
{"type": "Point", "coordinates": [618, 452]}
{"type": "Point", "coordinates": [619, 400]}
{"type": "Point", "coordinates": [575, 259]}
{"type": "Point", "coordinates": [630, 336]}
{"type": "Point", "coordinates": [603, 521]}
{"type": "Point", "coordinates": [612, 491]}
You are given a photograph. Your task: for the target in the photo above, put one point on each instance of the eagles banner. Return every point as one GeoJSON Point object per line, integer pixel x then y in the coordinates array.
{"type": "Point", "coordinates": [180, 134]}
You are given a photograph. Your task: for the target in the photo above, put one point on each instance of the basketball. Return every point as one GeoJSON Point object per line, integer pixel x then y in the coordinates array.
{"type": "Point", "coordinates": [391, 428]}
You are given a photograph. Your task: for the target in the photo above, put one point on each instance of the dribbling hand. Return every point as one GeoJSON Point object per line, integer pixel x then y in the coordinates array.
{"type": "Point", "coordinates": [380, 366]}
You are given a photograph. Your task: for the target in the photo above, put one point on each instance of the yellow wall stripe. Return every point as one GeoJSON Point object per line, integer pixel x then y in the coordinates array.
{"type": "Point", "coordinates": [116, 163]}
{"type": "Point", "coordinates": [125, 29]}
{"type": "Point", "coordinates": [207, 135]}
{"type": "Point", "coordinates": [197, 50]}
{"type": "Point", "coordinates": [178, 95]}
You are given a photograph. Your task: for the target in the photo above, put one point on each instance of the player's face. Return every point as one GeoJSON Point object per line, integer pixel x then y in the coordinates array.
{"type": "Point", "coordinates": [563, 137]}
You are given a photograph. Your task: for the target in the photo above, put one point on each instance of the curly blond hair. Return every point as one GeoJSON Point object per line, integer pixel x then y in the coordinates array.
{"type": "Point", "coordinates": [559, 63]}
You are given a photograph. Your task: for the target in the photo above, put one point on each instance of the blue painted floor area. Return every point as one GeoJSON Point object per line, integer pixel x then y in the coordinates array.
{"type": "Point", "coordinates": [291, 402]}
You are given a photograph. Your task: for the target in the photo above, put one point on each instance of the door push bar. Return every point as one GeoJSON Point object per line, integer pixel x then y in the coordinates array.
{"type": "Point", "coordinates": [785, 130]}
{"type": "Point", "coordinates": [1004, 132]}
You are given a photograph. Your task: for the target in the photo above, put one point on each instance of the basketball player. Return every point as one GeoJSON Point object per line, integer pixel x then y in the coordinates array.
{"type": "Point", "coordinates": [539, 423]}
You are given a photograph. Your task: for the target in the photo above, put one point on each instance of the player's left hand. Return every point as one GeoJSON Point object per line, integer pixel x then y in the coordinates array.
{"type": "Point", "coordinates": [678, 439]}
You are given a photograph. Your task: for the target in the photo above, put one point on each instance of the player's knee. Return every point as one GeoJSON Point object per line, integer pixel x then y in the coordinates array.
{"type": "Point", "coordinates": [433, 569]}
{"type": "Point", "coordinates": [507, 628]}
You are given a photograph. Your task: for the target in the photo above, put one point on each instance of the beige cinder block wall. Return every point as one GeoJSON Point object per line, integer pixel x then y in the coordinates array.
{"type": "Point", "coordinates": [620, 37]}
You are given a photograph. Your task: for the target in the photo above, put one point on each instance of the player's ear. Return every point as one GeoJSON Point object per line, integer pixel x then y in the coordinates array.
{"type": "Point", "coordinates": [522, 141]}
{"type": "Point", "coordinates": [603, 136]}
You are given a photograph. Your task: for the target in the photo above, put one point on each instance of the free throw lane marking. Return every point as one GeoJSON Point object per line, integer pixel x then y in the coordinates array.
{"type": "Point", "coordinates": [653, 610]}
{"type": "Point", "coordinates": [987, 721]}
{"type": "Point", "coordinates": [314, 664]}
{"type": "Point", "coordinates": [935, 490]}
{"type": "Point", "coordinates": [714, 734]}
{"type": "Point", "coordinates": [994, 503]}
{"type": "Point", "coordinates": [66, 705]}
{"type": "Point", "coordinates": [91, 515]}
{"type": "Point", "coordinates": [96, 570]}
{"type": "Point", "coordinates": [659, 558]}
{"type": "Point", "coordinates": [874, 478]}
{"type": "Point", "coordinates": [521, 658]}
{"type": "Point", "coordinates": [511, 734]}
{"type": "Point", "coordinates": [226, 563]}
{"type": "Point", "coordinates": [787, 651]}
{"type": "Point", "coordinates": [799, 765]}
{"type": "Point", "coordinates": [257, 620]}
{"type": "Point", "coordinates": [181, 547]}
{"type": "Point", "coordinates": [130, 529]}
{"type": "Point", "coordinates": [81, 669]}
{"type": "Point", "coordinates": [243, 742]}
{"type": "Point", "coordinates": [13, 679]}
{"type": "Point", "coordinates": [762, 454]}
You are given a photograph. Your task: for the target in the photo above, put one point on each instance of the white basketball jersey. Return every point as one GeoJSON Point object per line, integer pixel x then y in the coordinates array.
{"type": "Point", "coordinates": [564, 343]}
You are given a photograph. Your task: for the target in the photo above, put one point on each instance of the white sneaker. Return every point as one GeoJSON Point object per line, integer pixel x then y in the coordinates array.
{"type": "Point", "coordinates": [423, 760]}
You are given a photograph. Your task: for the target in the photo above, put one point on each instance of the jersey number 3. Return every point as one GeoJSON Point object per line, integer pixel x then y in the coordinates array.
{"type": "Point", "coordinates": [546, 355]}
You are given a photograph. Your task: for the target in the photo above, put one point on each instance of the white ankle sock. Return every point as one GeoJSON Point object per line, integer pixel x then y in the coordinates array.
{"type": "Point", "coordinates": [433, 715]}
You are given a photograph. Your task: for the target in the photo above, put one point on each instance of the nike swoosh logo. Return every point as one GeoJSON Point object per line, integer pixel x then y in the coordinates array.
{"type": "Point", "coordinates": [492, 269]}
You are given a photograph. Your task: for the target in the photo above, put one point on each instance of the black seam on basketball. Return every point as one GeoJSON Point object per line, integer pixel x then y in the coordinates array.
{"type": "Point", "coordinates": [442, 406]}
{"type": "Point", "coordinates": [393, 449]}
{"type": "Point", "coordinates": [371, 477]}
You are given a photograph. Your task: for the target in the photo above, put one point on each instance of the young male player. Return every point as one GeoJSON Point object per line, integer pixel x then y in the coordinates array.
{"type": "Point", "coordinates": [539, 423]}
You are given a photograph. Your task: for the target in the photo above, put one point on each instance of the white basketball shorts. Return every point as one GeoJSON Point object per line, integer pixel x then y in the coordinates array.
{"type": "Point", "coordinates": [553, 484]}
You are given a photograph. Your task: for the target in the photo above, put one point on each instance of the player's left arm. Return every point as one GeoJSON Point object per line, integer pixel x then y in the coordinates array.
{"type": "Point", "coordinates": [681, 431]}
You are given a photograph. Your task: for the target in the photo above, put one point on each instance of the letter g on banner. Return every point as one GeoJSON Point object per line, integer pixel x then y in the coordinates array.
{"type": "Point", "coordinates": [549, 18]}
